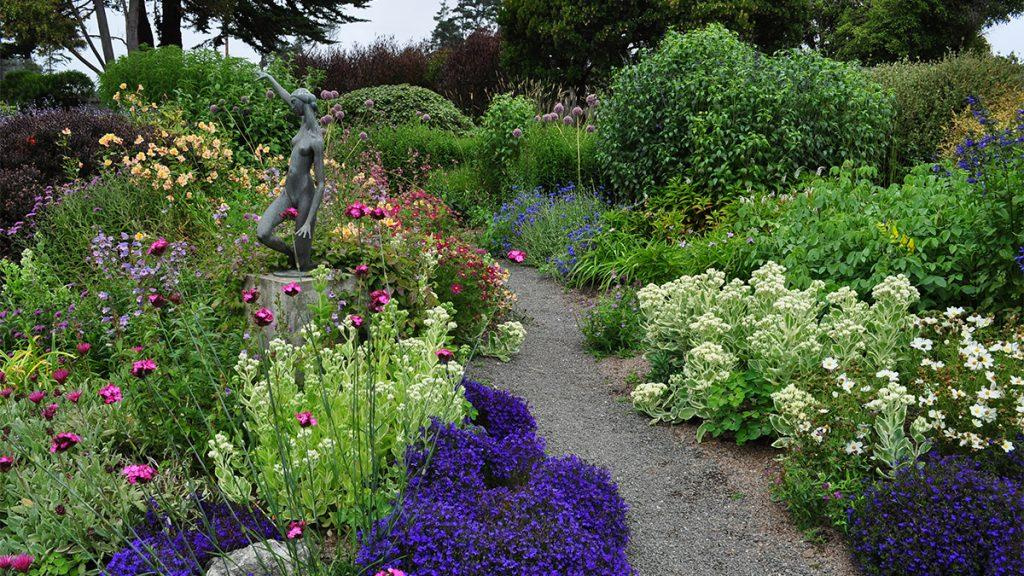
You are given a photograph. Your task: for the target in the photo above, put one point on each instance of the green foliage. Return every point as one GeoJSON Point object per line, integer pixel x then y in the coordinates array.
{"type": "Point", "coordinates": [411, 145]}
{"type": "Point", "coordinates": [817, 488]}
{"type": "Point", "coordinates": [207, 87]}
{"type": "Point", "coordinates": [929, 94]}
{"type": "Point", "coordinates": [498, 146]}
{"type": "Point", "coordinates": [553, 155]}
{"type": "Point", "coordinates": [770, 25]}
{"type": "Point", "coordinates": [402, 104]}
{"type": "Point", "coordinates": [711, 109]}
{"type": "Point", "coordinates": [576, 43]}
{"type": "Point", "coordinates": [613, 326]}
{"type": "Point", "coordinates": [462, 189]}
{"type": "Point", "coordinates": [33, 89]}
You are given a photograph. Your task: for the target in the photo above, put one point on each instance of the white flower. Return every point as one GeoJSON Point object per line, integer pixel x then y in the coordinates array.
{"type": "Point", "coordinates": [889, 374]}
{"type": "Point", "coordinates": [1007, 446]}
{"type": "Point", "coordinates": [922, 344]}
{"type": "Point", "coordinates": [854, 447]}
{"type": "Point", "coordinates": [990, 394]}
{"type": "Point", "coordinates": [830, 363]}
{"type": "Point", "coordinates": [1016, 381]}
{"type": "Point", "coordinates": [953, 312]}
{"type": "Point", "coordinates": [819, 434]}
{"type": "Point", "coordinates": [845, 382]}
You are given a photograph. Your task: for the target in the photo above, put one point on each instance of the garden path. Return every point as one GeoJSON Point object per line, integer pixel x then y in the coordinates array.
{"type": "Point", "coordinates": [693, 510]}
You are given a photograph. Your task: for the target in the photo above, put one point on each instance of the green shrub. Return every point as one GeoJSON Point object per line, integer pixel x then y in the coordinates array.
{"type": "Point", "coordinates": [554, 155]}
{"type": "Point", "coordinates": [61, 89]}
{"type": "Point", "coordinates": [499, 145]}
{"type": "Point", "coordinates": [929, 94]}
{"type": "Point", "coordinates": [401, 104]}
{"type": "Point", "coordinates": [157, 70]}
{"type": "Point", "coordinates": [463, 190]}
{"type": "Point", "coordinates": [613, 326]}
{"type": "Point", "coordinates": [711, 109]}
{"type": "Point", "coordinates": [418, 143]}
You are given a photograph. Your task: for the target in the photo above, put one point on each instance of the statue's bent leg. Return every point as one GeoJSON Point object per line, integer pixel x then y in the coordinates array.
{"type": "Point", "coordinates": [304, 246]}
{"type": "Point", "coordinates": [270, 220]}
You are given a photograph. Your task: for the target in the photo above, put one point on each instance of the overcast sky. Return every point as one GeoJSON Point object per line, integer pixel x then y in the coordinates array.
{"type": "Point", "coordinates": [413, 20]}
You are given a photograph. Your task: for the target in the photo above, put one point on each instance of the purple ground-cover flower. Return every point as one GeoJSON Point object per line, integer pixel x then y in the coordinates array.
{"type": "Point", "coordinates": [486, 500]}
{"type": "Point", "coordinates": [946, 516]}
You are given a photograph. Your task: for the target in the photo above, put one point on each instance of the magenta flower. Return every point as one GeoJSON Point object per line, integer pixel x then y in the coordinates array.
{"type": "Point", "coordinates": [6, 392]}
{"type": "Point", "coordinates": [361, 270]}
{"type": "Point", "coordinates": [138, 349]}
{"type": "Point", "coordinates": [291, 289]}
{"type": "Point", "coordinates": [111, 394]}
{"type": "Point", "coordinates": [64, 441]}
{"type": "Point", "coordinates": [390, 572]}
{"type": "Point", "coordinates": [139, 473]}
{"type": "Point", "coordinates": [22, 563]}
{"type": "Point", "coordinates": [378, 213]}
{"type": "Point", "coordinates": [158, 247]}
{"type": "Point", "coordinates": [83, 348]}
{"type": "Point", "coordinates": [378, 300]}
{"type": "Point", "coordinates": [456, 289]}
{"type": "Point", "coordinates": [60, 375]}
{"type": "Point", "coordinates": [74, 396]}
{"type": "Point", "coordinates": [156, 300]}
{"type": "Point", "coordinates": [306, 419]}
{"type": "Point", "coordinates": [6, 463]}
{"type": "Point", "coordinates": [356, 210]}
{"type": "Point", "coordinates": [516, 256]}
{"type": "Point", "coordinates": [295, 529]}
{"type": "Point", "coordinates": [356, 320]}
{"type": "Point", "coordinates": [5, 562]}
{"type": "Point", "coordinates": [49, 412]}
{"type": "Point", "coordinates": [143, 368]}
{"type": "Point", "coordinates": [445, 355]}
{"type": "Point", "coordinates": [250, 296]}
{"type": "Point", "coordinates": [290, 214]}
{"type": "Point", "coordinates": [263, 317]}
{"type": "Point", "coordinates": [37, 396]}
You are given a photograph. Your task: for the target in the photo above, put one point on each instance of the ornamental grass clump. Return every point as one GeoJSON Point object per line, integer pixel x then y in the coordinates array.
{"type": "Point", "coordinates": [946, 517]}
{"type": "Point", "coordinates": [486, 500]}
{"type": "Point", "coordinates": [721, 349]}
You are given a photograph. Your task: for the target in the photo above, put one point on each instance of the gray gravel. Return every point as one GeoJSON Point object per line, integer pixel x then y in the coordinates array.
{"type": "Point", "coordinates": [691, 512]}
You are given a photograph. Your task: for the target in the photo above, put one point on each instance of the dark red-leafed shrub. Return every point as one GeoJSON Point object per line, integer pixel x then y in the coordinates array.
{"type": "Point", "coordinates": [382, 62]}
{"type": "Point", "coordinates": [471, 71]}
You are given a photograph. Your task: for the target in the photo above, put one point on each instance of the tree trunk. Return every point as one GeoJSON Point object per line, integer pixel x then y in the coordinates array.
{"type": "Point", "coordinates": [105, 41]}
{"type": "Point", "coordinates": [137, 28]}
{"type": "Point", "coordinates": [170, 23]}
{"type": "Point", "coordinates": [145, 29]}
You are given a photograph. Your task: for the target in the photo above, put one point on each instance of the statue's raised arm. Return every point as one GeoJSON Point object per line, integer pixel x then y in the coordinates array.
{"type": "Point", "coordinates": [277, 86]}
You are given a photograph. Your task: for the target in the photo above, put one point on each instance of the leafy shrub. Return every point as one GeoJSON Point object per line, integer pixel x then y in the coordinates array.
{"type": "Point", "coordinates": [497, 490]}
{"type": "Point", "coordinates": [944, 517]}
{"type": "Point", "coordinates": [553, 154]}
{"type": "Point", "coordinates": [463, 190]}
{"type": "Point", "coordinates": [978, 118]}
{"type": "Point", "coordinates": [729, 346]}
{"type": "Point", "coordinates": [929, 94]}
{"type": "Point", "coordinates": [414, 144]}
{"type": "Point", "coordinates": [499, 146]}
{"type": "Point", "coordinates": [382, 62]}
{"type": "Point", "coordinates": [402, 104]}
{"type": "Point", "coordinates": [715, 111]}
{"type": "Point", "coordinates": [471, 72]}
{"type": "Point", "coordinates": [66, 89]}
{"type": "Point", "coordinates": [157, 70]}
{"type": "Point", "coordinates": [613, 325]}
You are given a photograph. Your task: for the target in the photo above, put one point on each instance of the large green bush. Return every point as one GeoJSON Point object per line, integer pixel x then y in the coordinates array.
{"type": "Point", "coordinates": [554, 155]}
{"type": "Point", "coordinates": [208, 87]}
{"type": "Point", "coordinates": [400, 104]}
{"type": "Point", "coordinates": [499, 145]}
{"type": "Point", "coordinates": [707, 107]}
{"type": "Point", "coordinates": [929, 94]}
{"type": "Point", "coordinates": [413, 144]}
{"type": "Point", "coordinates": [61, 89]}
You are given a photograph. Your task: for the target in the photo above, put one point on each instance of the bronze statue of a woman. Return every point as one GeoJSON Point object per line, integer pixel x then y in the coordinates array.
{"type": "Point", "coordinates": [301, 193]}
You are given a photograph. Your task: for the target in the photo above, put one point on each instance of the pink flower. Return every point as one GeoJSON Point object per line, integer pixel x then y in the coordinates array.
{"type": "Point", "coordinates": [445, 355]}
{"type": "Point", "coordinates": [378, 300]}
{"type": "Point", "coordinates": [22, 563]}
{"type": "Point", "coordinates": [156, 300]}
{"type": "Point", "coordinates": [61, 376]}
{"type": "Point", "coordinates": [516, 256]}
{"type": "Point", "coordinates": [139, 473]}
{"type": "Point", "coordinates": [64, 441]}
{"type": "Point", "coordinates": [138, 349]}
{"type": "Point", "coordinates": [356, 210]}
{"type": "Point", "coordinates": [290, 214]}
{"type": "Point", "coordinates": [83, 348]}
{"type": "Point", "coordinates": [517, 133]}
{"type": "Point", "coordinates": [361, 270]}
{"type": "Point", "coordinates": [143, 368]}
{"type": "Point", "coordinates": [74, 396]}
{"type": "Point", "coordinates": [263, 317]}
{"type": "Point", "coordinates": [305, 419]}
{"type": "Point", "coordinates": [50, 411]}
{"type": "Point", "coordinates": [356, 320]}
{"type": "Point", "coordinates": [5, 562]}
{"type": "Point", "coordinates": [6, 463]}
{"type": "Point", "coordinates": [456, 288]}
{"type": "Point", "coordinates": [158, 247]}
{"type": "Point", "coordinates": [291, 289]}
{"type": "Point", "coordinates": [250, 296]}
{"type": "Point", "coordinates": [37, 396]}
{"type": "Point", "coordinates": [390, 572]}
{"type": "Point", "coordinates": [111, 394]}
{"type": "Point", "coordinates": [295, 529]}
{"type": "Point", "coordinates": [378, 213]}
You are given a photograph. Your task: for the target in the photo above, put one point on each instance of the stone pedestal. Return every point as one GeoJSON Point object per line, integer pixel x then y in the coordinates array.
{"type": "Point", "coordinates": [291, 313]}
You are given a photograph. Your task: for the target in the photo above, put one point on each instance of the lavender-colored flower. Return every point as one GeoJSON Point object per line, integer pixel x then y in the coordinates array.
{"type": "Point", "coordinates": [558, 109]}
{"type": "Point", "coordinates": [577, 111]}
{"type": "Point", "coordinates": [369, 103]}
{"type": "Point", "coordinates": [517, 133]}
{"type": "Point", "coordinates": [568, 120]}
{"type": "Point", "coordinates": [592, 100]}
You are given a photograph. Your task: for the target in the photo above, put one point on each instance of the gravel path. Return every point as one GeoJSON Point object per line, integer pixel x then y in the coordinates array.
{"type": "Point", "coordinates": [694, 509]}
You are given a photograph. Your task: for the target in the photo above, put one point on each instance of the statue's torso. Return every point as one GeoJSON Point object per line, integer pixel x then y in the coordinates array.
{"type": "Point", "coordinates": [305, 146]}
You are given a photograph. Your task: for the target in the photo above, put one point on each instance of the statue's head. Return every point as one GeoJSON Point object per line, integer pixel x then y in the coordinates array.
{"type": "Point", "coordinates": [302, 100]}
